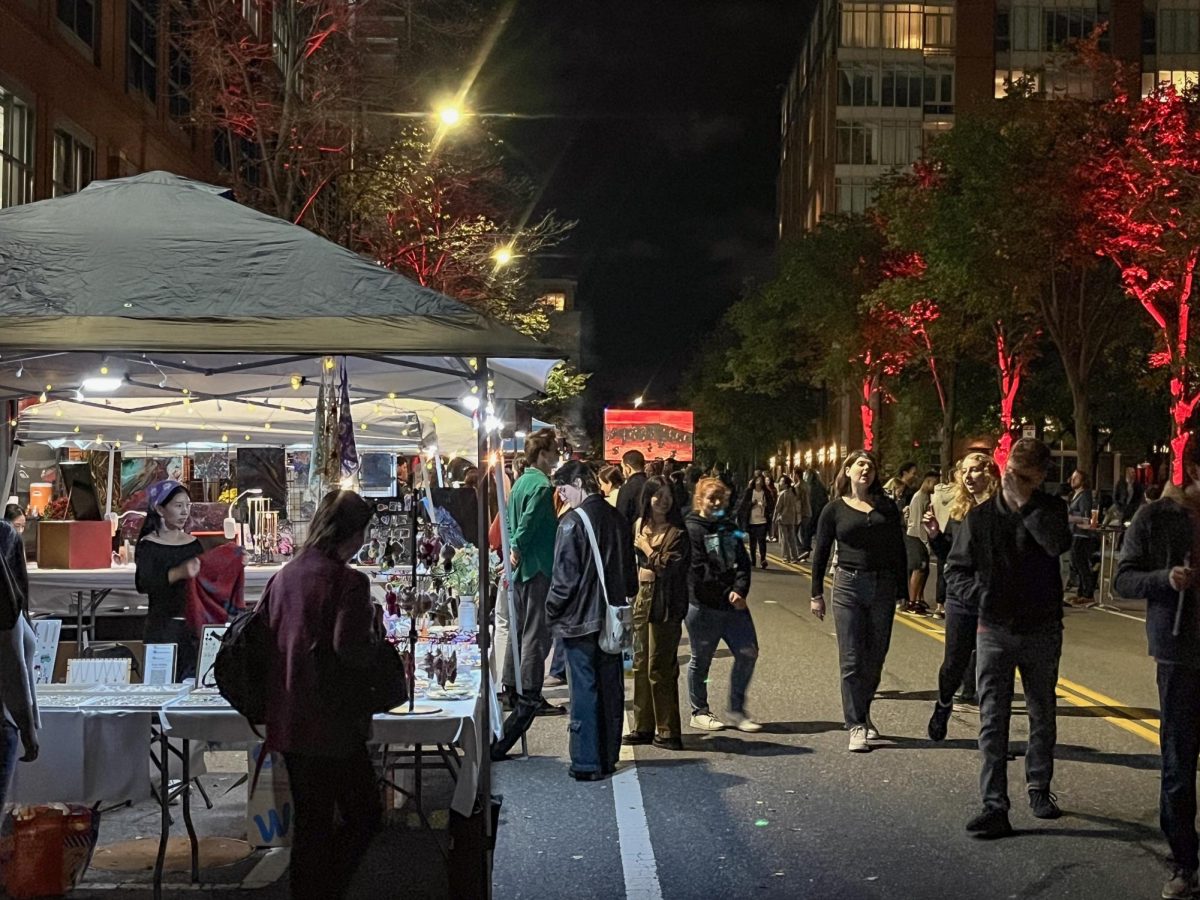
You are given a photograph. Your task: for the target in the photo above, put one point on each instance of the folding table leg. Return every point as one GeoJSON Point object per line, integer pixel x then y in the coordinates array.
{"type": "Point", "coordinates": [164, 798]}
{"type": "Point", "coordinates": [187, 810]}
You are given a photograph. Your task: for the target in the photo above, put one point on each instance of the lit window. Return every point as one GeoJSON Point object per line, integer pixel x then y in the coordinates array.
{"type": "Point", "coordinates": [556, 301]}
{"type": "Point", "coordinates": [74, 163]}
{"type": "Point", "coordinates": [939, 28]}
{"type": "Point", "coordinates": [80, 17]}
{"type": "Point", "coordinates": [142, 58]}
{"type": "Point", "coordinates": [16, 150]}
{"type": "Point", "coordinates": [1181, 79]}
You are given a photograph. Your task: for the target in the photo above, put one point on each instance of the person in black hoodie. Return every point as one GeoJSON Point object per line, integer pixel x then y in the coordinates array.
{"type": "Point", "coordinates": [576, 609]}
{"type": "Point", "coordinates": [718, 583]}
{"type": "Point", "coordinates": [1005, 559]}
{"type": "Point", "coordinates": [629, 497]}
{"type": "Point", "coordinates": [1156, 565]}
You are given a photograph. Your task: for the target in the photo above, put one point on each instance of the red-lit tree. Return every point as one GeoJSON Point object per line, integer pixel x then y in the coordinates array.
{"type": "Point", "coordinates": [889, 340]}
{"type": "Point", "coordinates": [1143, 195]}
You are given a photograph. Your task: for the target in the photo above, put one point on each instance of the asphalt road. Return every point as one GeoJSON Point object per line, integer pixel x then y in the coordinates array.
{"type": "Point", "coordinates": [790, 813]}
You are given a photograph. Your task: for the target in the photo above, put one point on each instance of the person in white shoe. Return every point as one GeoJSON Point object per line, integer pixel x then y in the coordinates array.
{"type": "Point", "coordinates": [871, 574]}
{"type": "Point", "coordinates": [718, 584]}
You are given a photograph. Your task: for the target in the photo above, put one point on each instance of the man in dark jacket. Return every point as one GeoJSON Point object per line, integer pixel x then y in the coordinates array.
{"type": "Point", "coordinates": [577, 609]}
{"type": "Point", "coordinates": [1005, 558]}
{"type": "Point", "coordinates": [1155, 565]}
{"type": "Point", "coordinates": [629, 497]}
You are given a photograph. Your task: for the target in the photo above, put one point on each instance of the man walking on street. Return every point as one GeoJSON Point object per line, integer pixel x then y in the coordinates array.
{"type": "Point", "coordinates": [532, 527]}
{"type": "Point", "coordinates": [1155, 566]}
{"type": "Point", "coordinates": [1005, 557]}
{"type": "Point", "coordinates": [629, 498]}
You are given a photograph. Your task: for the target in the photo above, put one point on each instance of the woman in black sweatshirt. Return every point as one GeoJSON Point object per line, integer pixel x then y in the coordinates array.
{"type": "Point", "coordinates": [871, 573]}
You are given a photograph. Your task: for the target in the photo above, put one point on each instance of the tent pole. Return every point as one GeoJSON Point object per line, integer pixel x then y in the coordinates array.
{"type": "Point", "coordinates": [485, 612]}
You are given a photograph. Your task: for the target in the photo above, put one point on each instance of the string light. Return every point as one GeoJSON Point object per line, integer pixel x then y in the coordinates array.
{"type": "Point", "coordinates": [138, 437]}
{"type": "Point", "coordinates": [49, 387]}
{"type": "Point", "coordinates": [117, 445]}
{"type": "Point", "coordinates": [58, 413]}
{"type": "Point", "coordinates": [224, 439]}
{"type": "Point", "coordinates": [328, 363]}
{"type": "Point", "coordinates": [391, 395]}
{"type": "Point", "coordinates": [267, 426]}
{"type": "Point", "coordinates": [362, 427]}
{"type": "Point", "coordinates": [186, 392]}
{"type": "Point", "coordinates": [42, 397]}
{"type": "Point", "coordinates": [296, 382]}
{"type": "Point", "coordinates": [157, 426]}
{"type": "Point", "coordinates": [77, 429]}
{"type": "Point", "coordinates": [104, 369]}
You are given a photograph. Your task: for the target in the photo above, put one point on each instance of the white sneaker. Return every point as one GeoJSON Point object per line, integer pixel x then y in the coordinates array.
{"type": "Point", "coordinates": [707, 722]}
{"type": "Point", "coordinates": [872, 731]}
{"type": "Point", "coordinates": [744, 723]}
{"type": "Point", "coordinates": [858, 740]}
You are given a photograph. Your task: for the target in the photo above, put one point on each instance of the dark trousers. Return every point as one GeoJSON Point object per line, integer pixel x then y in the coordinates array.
{"type": "Point", "coordinates": [597, 685]}
{"type": "Point", "coordinates": [1001, 653]}
{"type": "Point", "coordinates": [655, 670]}
{"type": "Point", "coordinates": [806, 533]}
{"type": "Point", "coordinates": [533, 635]}
{"type": "Point", "coordinates": [337, 810]}
{"type": "Point", "coordinates": [863, 611]}
{"type": "Point", "coordinates": [758, 544]}
{"type": "Point", "coordinates": [706, 629]}
{"type": "Point", "coordinates": [1179, 702]}
{"type": "Point", "coordinates": [1082, 549]}
{"type": "Point", "coordinates": [958, 664]}
{"type": "Point", "coordinates": [10, 745]}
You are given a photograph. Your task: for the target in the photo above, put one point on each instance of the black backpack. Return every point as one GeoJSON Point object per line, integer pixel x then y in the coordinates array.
{"type": "Point", "coordinates": [243, 663]}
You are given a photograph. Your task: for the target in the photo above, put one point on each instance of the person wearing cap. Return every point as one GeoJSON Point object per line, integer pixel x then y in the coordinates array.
{"type": "Point", "coordinates": [167, 557]}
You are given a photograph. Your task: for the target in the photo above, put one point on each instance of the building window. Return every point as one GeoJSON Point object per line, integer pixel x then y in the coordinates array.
{"type": "Point", "coordinates": [854, 194]}
{"type": "Point", "coordinates": [882, 25]}
{"type": "Point", "coordinates": [555, 301]}
{"type": "Point", "coordinates": [281, 33]}
{"type": "Point", "coordinates": [900, 143]}
{"type": "Point", "coordinates": [856, 143]}
{"type": "Point", "coordinates": [74, 163]}
{"type": "Point", "coordinates": [1012, 79]}
{"type": "Point", "coordinates": [142, 63]}
{"type": "Point", "coordinates": [939, 28]}
{"type": "Point", "coordinates": [1179, 31]}
{"type": "Point", "coordinates": [251, 14]}
{"type": "Point", "coordinates": [16, 150]}
{"type": "Point", "coordinates": [1149, 35]}
{"type": "Point", "coordinates": [893, 144]}
{"type": "Point", "coordinates": [1002, 40]}
{"type": "Point", "coordinates": [902, 25]}
{"type": "Point", "coordinates": [179, 64]}
{"type": "Point", "coordinates": [1181, 79]}
{"type": "Point", "coordinates": [938, 94]}
{"type": "Point", "coordinates": [80, 17]}
{"type": "Point", "coordinates": [902, 87]}
{"type": "Point", "coordinates": [858, 85]}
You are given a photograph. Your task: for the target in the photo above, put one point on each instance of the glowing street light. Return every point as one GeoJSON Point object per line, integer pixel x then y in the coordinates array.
{"type": "Point", "coordinates": [503, 256]}
{"type": "Point", "coordinates": [450, 116]}
{"type": "Point", "coordinates": [637, 402]}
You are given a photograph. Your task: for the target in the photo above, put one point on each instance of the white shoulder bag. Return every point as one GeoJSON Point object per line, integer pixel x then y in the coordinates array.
{"type": "Point", "coordinates": [617, 634]}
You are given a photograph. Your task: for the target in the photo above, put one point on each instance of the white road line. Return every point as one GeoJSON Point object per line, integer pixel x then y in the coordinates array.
{"type": "Point", "coordinates": [633, 832]}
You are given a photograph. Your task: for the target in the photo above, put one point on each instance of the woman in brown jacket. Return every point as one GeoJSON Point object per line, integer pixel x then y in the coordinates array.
{"type": "Point", "coordinates": [663, 552]}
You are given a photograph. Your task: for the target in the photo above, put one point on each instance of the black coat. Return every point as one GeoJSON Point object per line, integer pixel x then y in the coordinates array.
{"type": "Point", "coordinates": [1159, 539]}
{"type": "Point", "coordinates": [575, 605]}
{"type": "Point", "coordinates": [629, 497]}
{"type": "Point", "coordinates": [719, 562]}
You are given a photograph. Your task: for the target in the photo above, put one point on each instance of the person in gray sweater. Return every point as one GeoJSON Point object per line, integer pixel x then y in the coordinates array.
{"type": "Point", "coordinates": [18, 702]}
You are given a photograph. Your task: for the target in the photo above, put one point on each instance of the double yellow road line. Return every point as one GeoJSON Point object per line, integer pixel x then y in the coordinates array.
{"type": "Point", "coordinates": [1102, 707]}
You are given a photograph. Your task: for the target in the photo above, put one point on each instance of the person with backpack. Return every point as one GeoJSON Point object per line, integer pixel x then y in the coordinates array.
{"type": "Point", "coordinates": [593, 569]}
{"type": "Point", "coordinates": [325, 634]}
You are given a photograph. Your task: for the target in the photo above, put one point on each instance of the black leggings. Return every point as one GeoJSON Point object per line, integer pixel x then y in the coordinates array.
{"type": "Point", "coordinates": [958, 665]}
{"type": "Point", "coordinates": [758, 540]}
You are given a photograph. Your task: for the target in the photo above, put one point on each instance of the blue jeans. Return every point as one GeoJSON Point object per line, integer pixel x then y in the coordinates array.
{"type": "Point", "coordinates": [708, 627]}
{"type": "Point", "coordinates": [1179, 700]}
{"type": "Point", "coordinates": [558, 659]}
{"type": "Point", "coordinates": [10, 743]}
{"type": "Point", "coordinates": [596, 681]}
{"type": "Point", "coordinates": [864, 608]}
{"type": "Point", "coordinates": [1000, 653]}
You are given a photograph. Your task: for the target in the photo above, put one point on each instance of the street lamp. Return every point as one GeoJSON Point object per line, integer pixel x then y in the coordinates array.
{"type": "Point", "coordinates": [450, 116]}
{"type": "Point", "coordinates": [637, 402]}
{"type": "Point", "coordinates": [503, 256]}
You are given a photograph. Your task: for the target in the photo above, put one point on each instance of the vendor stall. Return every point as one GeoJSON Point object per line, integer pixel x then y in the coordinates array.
{"type": "Point", "coordinates": [148, 296]}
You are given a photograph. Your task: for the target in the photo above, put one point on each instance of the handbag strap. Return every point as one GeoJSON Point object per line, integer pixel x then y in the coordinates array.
{"type": "Point", "coordinates": [591, 533]}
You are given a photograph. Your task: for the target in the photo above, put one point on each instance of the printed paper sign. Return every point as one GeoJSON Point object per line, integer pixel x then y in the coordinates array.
{"type": "Point", "coordinates": [210, 643]}
{"type": "Point", "coordinates": [46, 635]}
{"type": "Point", "coordinates": [159, 667]}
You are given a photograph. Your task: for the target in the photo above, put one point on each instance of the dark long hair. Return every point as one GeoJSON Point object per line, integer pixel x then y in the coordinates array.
{"type": "Point", "coordinates": [577, 468]}
{"type": "Point", "coordinates": [842, 486]}
{"type": "Point", "coordinates": [153, 522]}
{"type": "Point", "coordinates": [646, 509]}
{"type": "Point", "coordinates": [340, 516]}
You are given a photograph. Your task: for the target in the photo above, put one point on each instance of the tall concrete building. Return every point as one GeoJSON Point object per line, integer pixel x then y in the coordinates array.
{"type": "Point", "coordinates": [874, 80]}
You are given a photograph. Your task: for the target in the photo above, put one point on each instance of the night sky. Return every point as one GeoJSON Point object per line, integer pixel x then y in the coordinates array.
{"type": "Point", "coordinates": [663, 143]}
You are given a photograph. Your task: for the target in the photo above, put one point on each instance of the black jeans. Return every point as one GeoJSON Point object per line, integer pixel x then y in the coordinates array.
{"type": "Point", "coordinates": [533, 632]}
{"type": "Point", "coordinates": [597, 685]}
{"type": "Point", "coordinates": [957, 664]}
{"type": "Point", "coordinates": [1179, 701]}
{"type": "Point", "coordinates": [863, 612]}
{"type": "Point", "coordinates": [337, 811]}
{"type": "Point", "coordinates": [1001, 653]}
{"type": "Point", "coordinates": [1082, 549]}
{"type": "Point", "coordinates": [758, 541]}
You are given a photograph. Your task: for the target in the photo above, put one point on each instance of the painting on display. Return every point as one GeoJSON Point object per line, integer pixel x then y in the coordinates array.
{"type": "Point", "coordinates": [264, 468]}
{"type": "Point", "coordinates": [657, 433]}
{"type": "Point", "coordinates": [138, 473]}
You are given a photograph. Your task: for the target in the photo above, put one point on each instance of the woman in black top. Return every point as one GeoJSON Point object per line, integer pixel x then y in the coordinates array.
{"type": "Point", "coordinates": [871, 574]}
{"type": "Point", "coordinates": [167, 558]}
{"type": "Point", "coordinates": [976, 481]}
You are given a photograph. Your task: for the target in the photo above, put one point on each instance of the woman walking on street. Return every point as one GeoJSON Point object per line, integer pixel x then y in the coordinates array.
{"type": "Point", "coordinates": [718, 584]}
{"type": "Point", "coordinates": [915, 545]}
{"type": "Point", "coordinates": [663, 552]}
{"type": "Point", "coordinates": [869, 577]}
{"type": "Point", "coordinates": [1083, 539]}
{"type": "Point", "coordinates": [753, 516]}
{"type": "Point", "coordinates": [787, 520]}
{"type": "Point", "coordinates": [977, 482]}
{"type": "Point", "coordinates": [593, 569]}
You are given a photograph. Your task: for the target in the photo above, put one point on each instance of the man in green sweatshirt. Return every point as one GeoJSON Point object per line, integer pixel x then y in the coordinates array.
{"type": "Point", "coordinates": [532, 526]}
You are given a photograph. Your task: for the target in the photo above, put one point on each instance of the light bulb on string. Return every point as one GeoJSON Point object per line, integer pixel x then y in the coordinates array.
{"type": "Point", "coordinates": [267, 426]}
{"type": "Point", "coordinates": [224, 439]}
{"type": "Point", "coordinates": [362, 427]}
{"type": "Point", "coordinates": [296, 381]}
{"type": "Point", "coordinates": [186, 392]}
{"type": "Point", "coordinates": [42, 397]}
{"type": "Point", "coordinates": [58, 414]}
{"type": "Point", "coordinates": [138, 437]}
{"type": "Point", "coordinates": [157, 426]}
{"type": "Point", "coordinates": [245, 437]}
{"type": "Point", "coordinates": [328, 363]}
{"type": "Point", "coordinates": [77, 429]}
{"type": "Point", "coordinates": [391, 395]}
{"type": "Point", "coordinates": [117, 445]}
{"type": "Point", "coordinates": [49, 387]}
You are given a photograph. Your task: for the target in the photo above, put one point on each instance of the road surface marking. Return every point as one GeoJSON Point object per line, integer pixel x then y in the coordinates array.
{"type": "Point", "coordinates": [633, 831]}
{"type": "Point", "coordinates": [1102, 707]}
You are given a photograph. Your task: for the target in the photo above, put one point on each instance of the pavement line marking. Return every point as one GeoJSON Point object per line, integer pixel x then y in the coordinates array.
{"type": "Point", "coordinates": [633, 831]}
{"type": "Point", "coordinates": [1099, 705]}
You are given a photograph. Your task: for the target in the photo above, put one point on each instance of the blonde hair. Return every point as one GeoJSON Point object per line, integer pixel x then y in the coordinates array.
{"type": "Point", "coordinates": [704, 487]}
{"type": "Point", "coordinates": [964, 501]}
